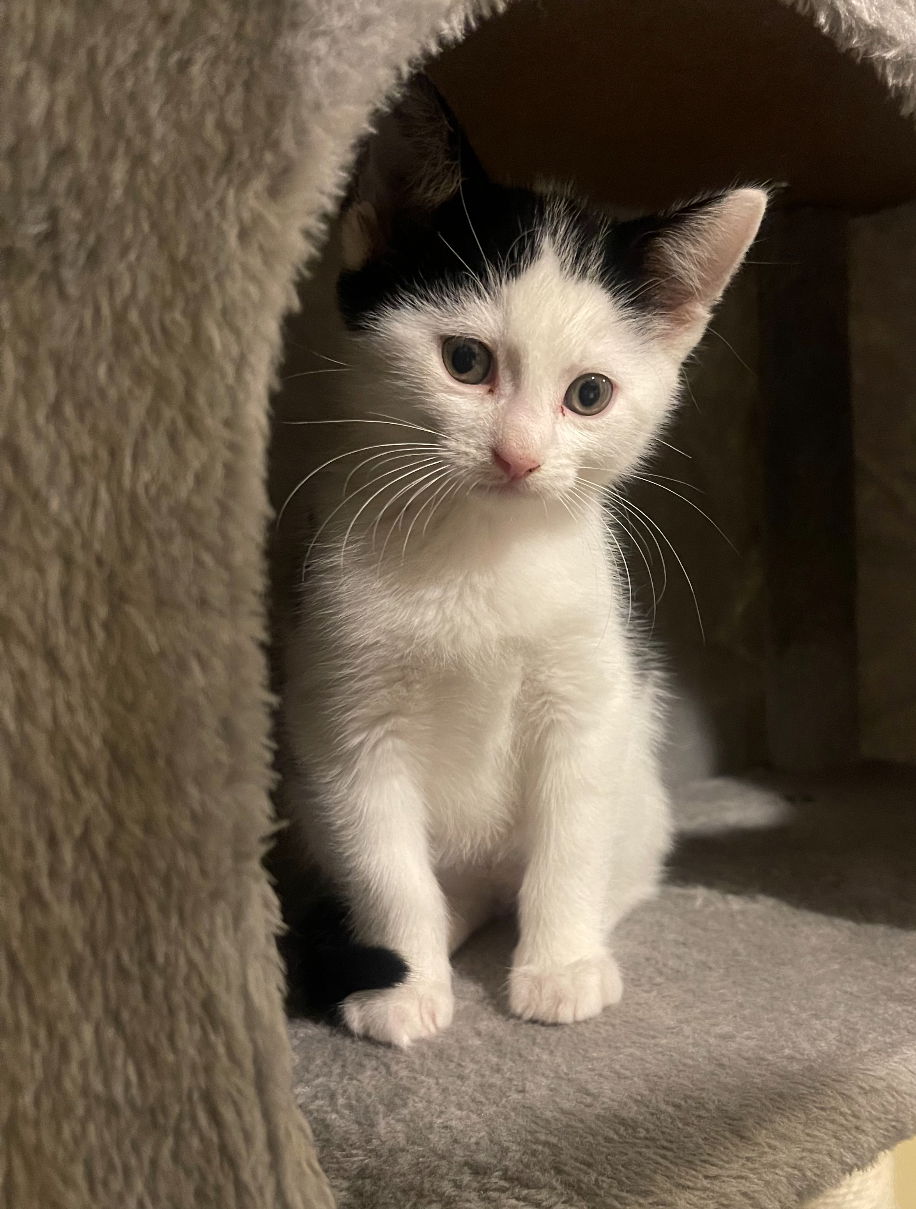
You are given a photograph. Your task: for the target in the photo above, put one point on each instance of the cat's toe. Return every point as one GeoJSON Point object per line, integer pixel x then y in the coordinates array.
{"type": "Point", "coordinates": [401, 1014]}
{"type": "Point", "coordinates": [564, 994]}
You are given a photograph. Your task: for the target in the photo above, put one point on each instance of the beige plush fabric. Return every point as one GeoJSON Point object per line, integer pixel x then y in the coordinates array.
{"type": "Point", "coordinates": [880, 32]}
{"type": "Point", "coordinates": [151, 197]}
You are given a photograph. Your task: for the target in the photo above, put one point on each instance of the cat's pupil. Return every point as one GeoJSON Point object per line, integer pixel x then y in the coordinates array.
{"type": "Point", "coordinates": [589, 393]}
{"type": "Point", "coordinates": [464, 358]}
{"type": "Point", "coordinates": [467, 360]}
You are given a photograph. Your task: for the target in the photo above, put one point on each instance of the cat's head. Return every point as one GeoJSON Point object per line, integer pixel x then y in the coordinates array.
{"type": "Point", "coordinates": [540, 341]}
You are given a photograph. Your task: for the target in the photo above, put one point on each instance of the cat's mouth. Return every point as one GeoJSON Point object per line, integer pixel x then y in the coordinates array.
{"type": "Point", "coordinates": [509, 488]}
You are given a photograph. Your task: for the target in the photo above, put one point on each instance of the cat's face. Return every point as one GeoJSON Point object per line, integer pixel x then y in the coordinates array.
{"type": "Point", "coordinates": [534, 343]}
{"type": "Point", "coordinates": [537, 383]}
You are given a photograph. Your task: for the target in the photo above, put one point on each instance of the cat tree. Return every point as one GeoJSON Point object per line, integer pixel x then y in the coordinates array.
{"type": "Point", "coordinates": [164, 172]}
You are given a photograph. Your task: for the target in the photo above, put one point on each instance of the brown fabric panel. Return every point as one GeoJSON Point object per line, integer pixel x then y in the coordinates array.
{"type": "Point", "coordinates": [883, 340]}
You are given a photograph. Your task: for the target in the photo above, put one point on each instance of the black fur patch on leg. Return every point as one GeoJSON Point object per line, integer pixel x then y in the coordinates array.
{"type": "Point", "coordinates": [325, 963]}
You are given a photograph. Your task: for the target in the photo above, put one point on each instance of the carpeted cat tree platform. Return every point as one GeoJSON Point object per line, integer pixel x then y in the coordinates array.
{"type": "Point", "coordinates": [164, 169]}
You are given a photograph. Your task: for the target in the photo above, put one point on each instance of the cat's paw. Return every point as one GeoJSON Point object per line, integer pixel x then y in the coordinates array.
{"type": "Point", "coordinates": [563, 994]}
{"type": "Point", "coordinates": [401, 1014]}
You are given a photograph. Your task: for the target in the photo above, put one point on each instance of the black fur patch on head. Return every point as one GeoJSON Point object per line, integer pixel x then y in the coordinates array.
{"type": "Point", "coordinates": [485, 231]}
{"type": "Point", "coordinates": [325, 964]}
{"type": "Point", "coordinates": [431, 224]}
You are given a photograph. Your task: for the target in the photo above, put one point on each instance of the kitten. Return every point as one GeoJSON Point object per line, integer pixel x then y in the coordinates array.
{"type": "Point", "coordinates": [470, 716]}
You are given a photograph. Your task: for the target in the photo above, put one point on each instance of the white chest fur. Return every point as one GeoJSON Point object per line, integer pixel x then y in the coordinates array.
{"type": "Point", "coordinates": [457, 653]}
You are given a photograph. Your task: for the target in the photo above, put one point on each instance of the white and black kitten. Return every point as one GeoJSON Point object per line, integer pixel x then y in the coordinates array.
{"type": "Point", "coordinates": [469, 716]}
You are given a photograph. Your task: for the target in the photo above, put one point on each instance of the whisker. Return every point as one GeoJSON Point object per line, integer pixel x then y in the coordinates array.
{"type": "Point", "coordinates": [670, 479]}
{"type": "Point", "coordinates": [685, 378]}
{"type": "Point", "coordinates": [404, 423]}
{"type": "Point", "coordinates": [325, 357]}
{"type": "Point", "coordinates": [571, 494]}
{"type": "Point", "coordinates": [673, 448]}
{"type": "Point", "coordinates": [343, 503]}
{"type": "Point", "coordinates": [435, 474]}
{"type": "Point", "coordinates": [385, 455]}
{"type": "Point", "coordinates": [440, 488]}
{"type": "Point", "coordinates": [626, 569]}
{"type": "Point", "coordinates": [388, 421]}
{"type": "Point", "coordinates": [667, 542]}
{"type": "Point", "coordinates": [587, 503]}
{"type": "Point", "coordinates": [572, 515]}
{"type": "Point", "coordinates": [338, 457]}
{"type": "Point", "coordinates": [450, 490]}
{"type": "Point", "coordinates": [625, 504]}
{"type": "Point", "coordinates": [463, 261]}
{"type": "Point", "coordinates": [623, 560]}
{"type": "Point", "coordinates": [464, 207]}
{"type": "Point", "coordinates": [577, 492]}
{"type": "Point", "coordinates": [642, 551]}
{"type": "Point", "coordinates": [733, 350]}
{"type": "Point", "coordinates": [602, 556]}
{"type": "Point", "coordinates": [362, 508]}
{"type": "Point", "coordinates": [661, 486]}
{"type": "Point", "coordinates": [288, 340]}
{"type": "Point", "coordinates": [397, 519]}
{"type": "Point", "coordinates": [433, 486]}
{"type": "Point", "coordinates": [306, 373]}
{"type": "Point", "coordinates": [521, 235]}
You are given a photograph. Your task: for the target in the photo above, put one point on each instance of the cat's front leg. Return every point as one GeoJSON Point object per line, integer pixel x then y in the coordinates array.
{"type": "Point", "coordinates": [562, 969]}
{"type": "Point", "coordinates": [374, 837]}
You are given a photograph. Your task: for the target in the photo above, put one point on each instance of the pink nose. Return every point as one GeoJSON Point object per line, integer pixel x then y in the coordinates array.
{"type": "Point", "coordinates": [515, 466]}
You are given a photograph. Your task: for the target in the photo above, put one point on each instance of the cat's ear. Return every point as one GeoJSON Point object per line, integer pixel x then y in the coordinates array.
{"type": "Point", "coordinates": [415, 161]}
{"type": "Point", "coordinates": [688, 257]}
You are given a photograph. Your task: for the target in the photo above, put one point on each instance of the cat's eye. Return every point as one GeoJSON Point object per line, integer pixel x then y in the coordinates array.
{"type": "Point", "coordinates": [589, 394]}
{"type": "Point", "coordinates": [467, 360]}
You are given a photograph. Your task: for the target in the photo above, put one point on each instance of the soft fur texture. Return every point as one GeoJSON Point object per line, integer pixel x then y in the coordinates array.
{"type": "Point", "coordinates": [157, 161]}
{"type": "Point", "coordinates": [152, 190]}
{"type": "Point", "coordinates": [464, 699]}
{"type": "Point", "coordinates": [880, 32]}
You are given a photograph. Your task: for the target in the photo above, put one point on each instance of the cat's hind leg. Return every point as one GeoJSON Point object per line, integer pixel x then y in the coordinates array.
{"type": "Point", "coordinates": [644, 831]}
{"type": "Point", "coordinates": [472, 901]}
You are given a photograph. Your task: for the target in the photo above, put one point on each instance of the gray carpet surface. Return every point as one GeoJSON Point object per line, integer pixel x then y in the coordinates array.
{"type": "Point", "coordinates": [764, 1048]}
